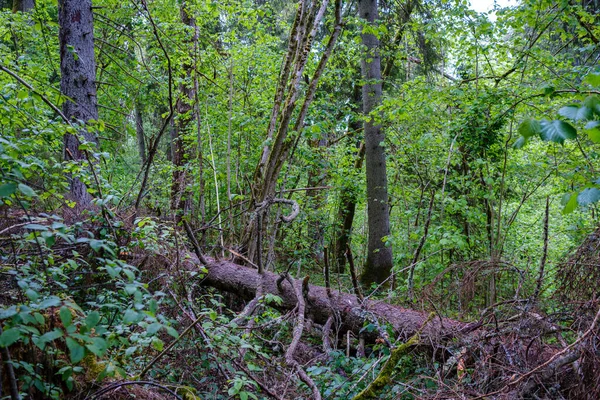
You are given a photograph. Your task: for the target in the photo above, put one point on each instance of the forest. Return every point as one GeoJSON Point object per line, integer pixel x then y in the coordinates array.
{"type": "Point", "coordinates": [299, 199]}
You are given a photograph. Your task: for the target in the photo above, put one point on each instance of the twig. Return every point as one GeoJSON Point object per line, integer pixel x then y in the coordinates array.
{"type": "Point", "coordinates": [247, 311]}
{"type": "Point", "coordinates": [169, 347]}
{"type": "Point", "coordinates": [295, 209]}
{"type": "Point", "coordinates": [246, 259]}
{"type": "Point", "coordinates": [44, 98]}
{"type": "Point", "coordinates": [297, 335]}
{"type": "Point", "coordinates": [195, 244]}
{"type": "Point", "coordinates": [540, 279]}
{"type": "Point", "coordinates": [327, 348]}
{"type": "Point", "coordinates": [258, 382]}
{"type": "Point", "coordinates": [357, 291]}
{"type": "Point", "coordinates": [192, 316]}
{"type": "Point", "coordinates": [13, 227]}
{"type": "Point", "coordinates": [129, 383]}
{"type": "Point", "coordinates": [413, 264]}
{"type": "Point", "coordinates": [326, 266]}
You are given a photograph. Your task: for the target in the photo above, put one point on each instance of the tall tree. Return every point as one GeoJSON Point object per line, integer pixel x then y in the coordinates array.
{"type": "Point", "coordinates": [379, 257]}
{"type": "Point", "coordinates": [78, 82]}
{"type": "Point", "coordinates": [180, 193]}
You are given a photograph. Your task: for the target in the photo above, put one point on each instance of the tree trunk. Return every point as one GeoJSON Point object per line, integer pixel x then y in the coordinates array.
{"type": "Point", "coordinates": [379, 257]}
{"type": "Point", "coordinates": [347, 207]}
{"type": "Point", "coordinates": [23, 5]}
{"type": "Point", "coordinates": [180, 189]}
{"type": "Point", "coordinates": [78, 74]}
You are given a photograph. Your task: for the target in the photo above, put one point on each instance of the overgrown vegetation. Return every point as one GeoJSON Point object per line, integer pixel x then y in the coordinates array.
{"type": "Point", "coordinates": [162, 227]}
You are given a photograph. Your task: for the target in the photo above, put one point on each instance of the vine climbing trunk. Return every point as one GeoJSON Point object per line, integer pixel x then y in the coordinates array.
{"type": "Point", "coordinates": [379, 257]}
{"type": "Point", "coordinates": [77, 84]}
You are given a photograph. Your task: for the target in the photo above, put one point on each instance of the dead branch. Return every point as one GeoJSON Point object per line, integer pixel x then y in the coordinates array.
{"type": "Point", "coordinates": [297, 335]}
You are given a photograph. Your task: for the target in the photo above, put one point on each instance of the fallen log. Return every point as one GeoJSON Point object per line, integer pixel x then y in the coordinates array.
{"type": "Point", "coordinates": [353, 315]}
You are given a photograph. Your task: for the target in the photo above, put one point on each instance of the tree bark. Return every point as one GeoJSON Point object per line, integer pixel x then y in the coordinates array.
{"type": "Point", "coordinates": [379, 257]}
{"type": "Point", "coordinates": [78, 75]}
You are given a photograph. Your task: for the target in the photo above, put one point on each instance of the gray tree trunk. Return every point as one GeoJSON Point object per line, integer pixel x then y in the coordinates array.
{"type": "Point", "coordinates": [78, 75]}
{"type": "Point", "coordinates": [379, 258]}
{"type": "Point", "coordinates": [23, 5]}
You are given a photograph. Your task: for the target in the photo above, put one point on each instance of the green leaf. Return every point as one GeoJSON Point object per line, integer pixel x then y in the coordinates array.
{"type": "Point", "coordinates": [92, 319]}
{"type": "Point", "coordinates": [7, 189]}
{"type": "Point", "coordinates": [571, 204]}
{"type": "Point", "coordinates": [549, 90]}
{"type": "Point", "coordinates": [46, 338]}
{"type": "Point", "coordinates": [51, 301]}
{"type": "Point", "coordinates": [557, 131]}
{"type": "Point", "coordinates": [588, 196]}
{"type": "Point", "coordinates": [153, 307]}
{"type": "Point", "coordinates": [9, 336]}
{"type": "Point", "coordinates": [8, 312]}
{"type": "Point", "coordinates": [593, 78]}
{"type": "Point", "coordinates": [593, 133]}
{"type": "Point", "coordinates": [520, 142]}
{"type": "Point", "coordinates": [26, 190]}
{"type": "Point", "coordinates": [172, 331]}
{"type": "Point", "coordinates": [39, 318]}
{"type": "Point", "coordinates": [158, 344]}
{"type": "Point", "coordinates": [98, 346]}
{"type": "Point", "coordinates": [65, 316]}
{"type": "Point", "coordinates": [32, 294]}
{"type": "Point", "coordinates": [96, 245]}
{"type": "Point", "coordinates": [576, 112]}
{"type": "Point", "coordinates": [530, 127]}
{"type": "Point", "coordinates": [36, 227]}
{"type": "Point", "coordinates": [153, 328]}
{"type": "Point", "coordinates": [593, 103]}
{"type": "Point", "coordinates": [130, 317]}
{"type": "Point", "coordinates": [76, 350]}
{"type": "Point", "coordinates": [592, 125]}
